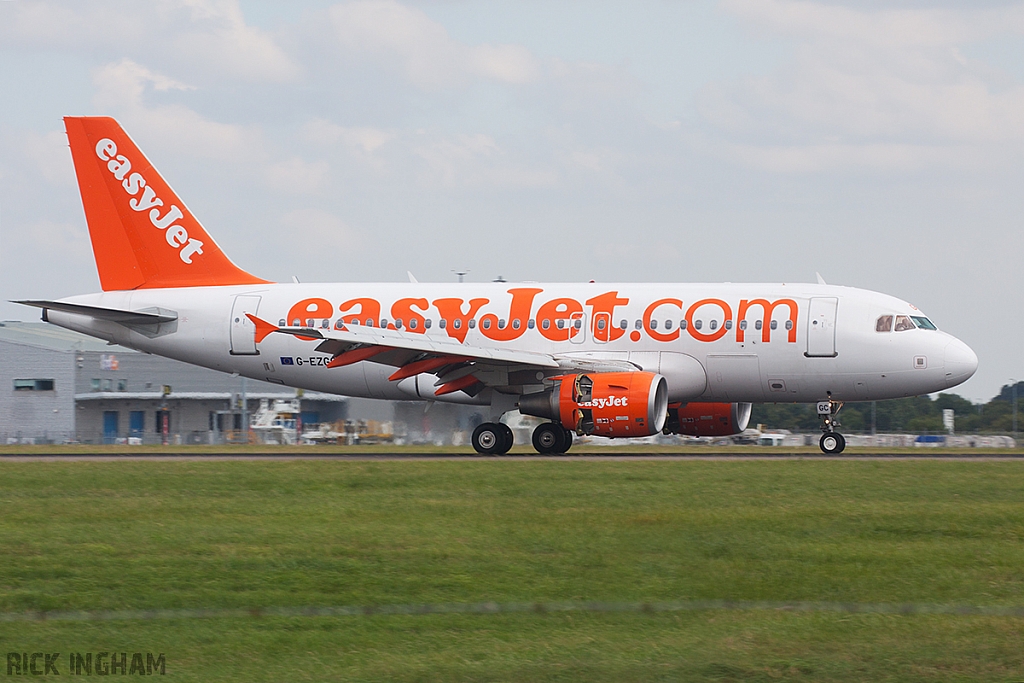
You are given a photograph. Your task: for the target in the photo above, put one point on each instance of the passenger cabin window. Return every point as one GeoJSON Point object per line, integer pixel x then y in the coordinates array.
{"type": "Point", "coordinates": [427, 323]}
{"type": "Point", "coordinates": [442, 323]}
{"type": "Point", "coordinates": [530, 324]}
{"type": "Point", "coordinates": [682, 324]}
{"type": "Point", "coordinates": [923, 323]}
{"type": "Point", "coordinates": [623, 324]}
{"type": "Point", "coordinates": [883, 324]}
{"type": "Point", "coordinates": [903, 323]}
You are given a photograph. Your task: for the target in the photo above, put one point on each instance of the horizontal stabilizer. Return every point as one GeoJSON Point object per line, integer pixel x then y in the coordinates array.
{"type": "Point", "coordinates": [112, 314]}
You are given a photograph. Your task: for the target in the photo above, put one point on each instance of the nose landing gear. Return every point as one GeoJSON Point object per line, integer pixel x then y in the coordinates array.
{"type": "Point", "coordinates": [832, 442]}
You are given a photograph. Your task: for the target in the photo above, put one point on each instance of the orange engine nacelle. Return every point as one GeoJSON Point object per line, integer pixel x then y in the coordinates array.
{"type": "Point", "coordinates": [612, 404]}
{"type": "Point", "coordinates": [707, 419]}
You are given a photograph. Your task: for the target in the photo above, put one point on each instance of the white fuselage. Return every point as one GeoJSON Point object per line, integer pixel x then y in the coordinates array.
{"type": "Point", "coordinates": [817, 341]}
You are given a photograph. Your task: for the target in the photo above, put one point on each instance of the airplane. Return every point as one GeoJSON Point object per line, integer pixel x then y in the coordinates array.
{"type": "Point", "coordinates": [620, 360]}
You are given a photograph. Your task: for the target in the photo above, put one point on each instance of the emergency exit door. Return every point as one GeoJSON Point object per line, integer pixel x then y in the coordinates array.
{"type": "Point", "coordinates": [821, 327]}
{"type": "Point", "coordinates": [243, 331]}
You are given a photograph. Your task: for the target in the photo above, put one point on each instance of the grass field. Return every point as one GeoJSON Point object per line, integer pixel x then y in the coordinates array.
{"type": "Point", "coordinates": [144, 535]}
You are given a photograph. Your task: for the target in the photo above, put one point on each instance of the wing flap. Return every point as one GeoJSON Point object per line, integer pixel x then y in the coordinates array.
{"type": "Point", "coordinates": [335, 342]}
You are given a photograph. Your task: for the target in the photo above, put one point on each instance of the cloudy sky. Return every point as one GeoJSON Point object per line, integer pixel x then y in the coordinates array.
{"type": "Point", "coordinates": [878, 143]}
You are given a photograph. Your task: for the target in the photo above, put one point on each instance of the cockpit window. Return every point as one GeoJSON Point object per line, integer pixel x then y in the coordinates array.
{"type": "Point", "coordinates": [923, 323]}
{"type": "Point", "coordinates": [903, 322]}
{"type": "Point", "coordinates": [883, 324]}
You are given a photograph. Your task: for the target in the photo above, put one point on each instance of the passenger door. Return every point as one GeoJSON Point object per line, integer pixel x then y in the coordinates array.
{"type": "Point", "coordinates": [243, 332]}
{"type": "Point", "coordinates": [821, 327]}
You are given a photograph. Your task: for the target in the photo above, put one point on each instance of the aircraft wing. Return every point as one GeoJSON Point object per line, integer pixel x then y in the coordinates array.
{"type": "Point", "coordinates": [458, 366]}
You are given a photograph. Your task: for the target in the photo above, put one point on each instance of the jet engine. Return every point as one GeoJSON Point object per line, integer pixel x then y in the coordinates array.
{"type": "Point", "coordinates": [611, 404]}
{"type": "Point", "coordinates": [707, 419]}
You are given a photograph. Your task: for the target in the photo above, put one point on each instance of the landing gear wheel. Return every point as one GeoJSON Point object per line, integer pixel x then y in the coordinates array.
{"type": "Point", "coordinates": [832, 443]}
{"type": "Point", "coordinates": [549, 438]}
{"type": "Point", "coordinates": [508, 439]}
{"type": "Point", "coordinates": [489, 438]}
{"type": "Point", "coordinates": [566, 442]}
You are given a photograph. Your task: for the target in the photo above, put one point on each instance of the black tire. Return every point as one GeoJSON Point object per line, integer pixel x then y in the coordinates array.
{"type": "Point", "coordinates": [832, 443]}
{"type": "Point", "coordinates": [508, 439]}
{"type": "Point", "coordinates": [488, 438]}
{"type": "Point", "coordinates": [566, 442]}
{"type": "Point", "coordinates": [548, 438]}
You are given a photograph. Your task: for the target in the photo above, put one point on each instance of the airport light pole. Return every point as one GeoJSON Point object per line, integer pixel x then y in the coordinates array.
{"type": "Point", "coordinates": [1013, 390]}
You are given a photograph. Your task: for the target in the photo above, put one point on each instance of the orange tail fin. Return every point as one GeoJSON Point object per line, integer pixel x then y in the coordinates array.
{"type": "Point", "coordinates": [142, 234]}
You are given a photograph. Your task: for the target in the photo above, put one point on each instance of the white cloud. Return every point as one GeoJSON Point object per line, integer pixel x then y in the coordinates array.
{"type": "Point", "coordinates": [208, 37]}
{"type": "Point", "coordinates": [366, 139]}
{"type": "Point", "coordinates": [60, 241]}
{"type": "Point", "coordinates": [869, 88]}
{"type": "Point", "coordinates": [323, 229]}
{"type": "Point", "coordinates": [48, 153]}
{"type": "Point", "coordinates": [121, 88]}
{"type": "Point", "coordinates": [887, 158]}
{"type": "Point", "coordinates": [408, 41]}
{"type": "Point", "coordinates": [894, 27]}
{"type": "Point", "coordinates": [296, 175]}
{"type": "Point", "coordinates": [219, 36]}
{"type": "Point", "coordinates": [474, 160]}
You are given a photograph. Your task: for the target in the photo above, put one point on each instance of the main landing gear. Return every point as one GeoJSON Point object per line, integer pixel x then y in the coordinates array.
{"type": "Point", "coordinates": [832, 442]}
{"type": "Point", "coordinates": [550, 438]}
{"type": "Point", "coordinates": [493, 438]}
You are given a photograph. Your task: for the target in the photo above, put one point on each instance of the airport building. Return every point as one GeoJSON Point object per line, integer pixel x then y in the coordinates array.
{"type": "Point", "coordinates": [59, 386]}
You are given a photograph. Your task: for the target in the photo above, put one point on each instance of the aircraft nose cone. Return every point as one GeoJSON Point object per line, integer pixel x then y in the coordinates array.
{"type": "Point", "coordinates": [960, 362]}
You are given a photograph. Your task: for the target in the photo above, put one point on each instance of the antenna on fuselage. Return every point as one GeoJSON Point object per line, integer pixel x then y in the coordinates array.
{"type": "Point", "coordinates": [821, 280]}
{"type": "Point", "coordinates": [461, 274]}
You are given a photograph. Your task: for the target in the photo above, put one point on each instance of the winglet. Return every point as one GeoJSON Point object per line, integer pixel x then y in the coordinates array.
{"type": "Point", "coordinates": [263, 328]}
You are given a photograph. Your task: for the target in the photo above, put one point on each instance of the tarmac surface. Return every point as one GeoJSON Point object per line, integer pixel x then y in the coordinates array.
{"type": "Point", "coordinates": [522, 457]}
